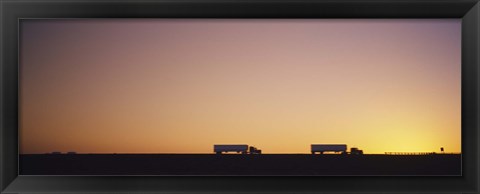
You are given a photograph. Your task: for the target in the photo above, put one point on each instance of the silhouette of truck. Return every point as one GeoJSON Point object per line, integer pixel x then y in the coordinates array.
{"type": "Point", "coordinates": [356, 151]}
{"type": "Point", "coordinates": [321, 148]}
{"type": "Point", "coordinates": [335, 148]}
{"type": "Point", "coordinates": [239, 148]}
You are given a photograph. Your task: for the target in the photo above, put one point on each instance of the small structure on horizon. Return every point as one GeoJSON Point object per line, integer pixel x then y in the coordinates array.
{"type": "Point", "coordinates": [410, 153]}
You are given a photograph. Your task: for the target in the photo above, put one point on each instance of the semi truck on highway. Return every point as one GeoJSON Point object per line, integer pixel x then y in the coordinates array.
{"type": "Point", "coordinates": [335, 148]}
{"type": "Point", "coordinates": [238, 148]}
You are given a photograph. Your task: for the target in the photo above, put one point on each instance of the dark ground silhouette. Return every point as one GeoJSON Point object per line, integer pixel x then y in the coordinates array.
{"type": "Point", "coordinates": [238, 164]}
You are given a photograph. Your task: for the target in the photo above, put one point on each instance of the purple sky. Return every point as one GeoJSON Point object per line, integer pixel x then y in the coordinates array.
{"type": "Point", "coordinates": [182, 85]}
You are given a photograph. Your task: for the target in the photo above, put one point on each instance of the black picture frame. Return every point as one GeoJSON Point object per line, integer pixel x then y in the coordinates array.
{"type": "Point", "coordinates": [13, 10]}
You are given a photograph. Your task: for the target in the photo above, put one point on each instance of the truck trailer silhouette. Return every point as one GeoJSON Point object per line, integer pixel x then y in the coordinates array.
{"type": "Point", "coordinates": [335, 148]}
{"type": "Point", "coordinates": [238, 148]}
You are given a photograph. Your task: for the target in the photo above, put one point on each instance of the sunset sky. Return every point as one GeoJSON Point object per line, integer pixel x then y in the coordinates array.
{"type": "Point", "coordinates": [182, 85]}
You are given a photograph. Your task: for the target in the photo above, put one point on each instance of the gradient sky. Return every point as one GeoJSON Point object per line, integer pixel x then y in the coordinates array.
{"type": "Point", "coordinates": [182, 85]}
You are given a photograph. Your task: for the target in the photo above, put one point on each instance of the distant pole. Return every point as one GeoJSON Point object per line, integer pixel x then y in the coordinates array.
{"type": "Point", "coordinates": [441, 149]}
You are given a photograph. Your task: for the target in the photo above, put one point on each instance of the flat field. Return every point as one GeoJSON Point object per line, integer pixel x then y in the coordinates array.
{"type": "Point", "coordinates": [239, 164]}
